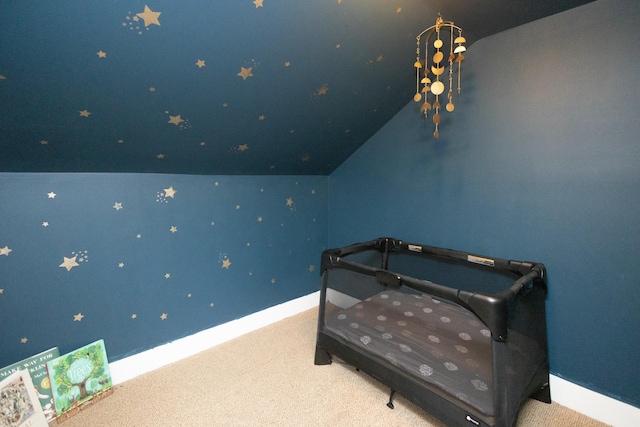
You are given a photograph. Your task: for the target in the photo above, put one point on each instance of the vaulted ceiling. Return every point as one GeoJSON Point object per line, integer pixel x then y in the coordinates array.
{"type": "Point", "coordinates": [253, 87]}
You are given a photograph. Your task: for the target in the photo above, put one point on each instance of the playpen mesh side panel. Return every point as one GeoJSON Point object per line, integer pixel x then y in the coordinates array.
{"type": "Point", "coordinates": [436, 341]}
{"type": "Point", "coordinates": [453, 274]}
{"type": "Point", "coordinates": [526, 345]}
{"type": "Point", "coordinates": [352, 284]}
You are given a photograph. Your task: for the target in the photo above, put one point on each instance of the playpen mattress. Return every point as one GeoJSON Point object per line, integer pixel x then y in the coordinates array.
{"type": "Point", "coordinates": [437, 341]}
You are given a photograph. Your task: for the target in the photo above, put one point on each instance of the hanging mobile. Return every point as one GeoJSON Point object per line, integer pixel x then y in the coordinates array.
{"type": "Point", "coordinates": [433, 85]}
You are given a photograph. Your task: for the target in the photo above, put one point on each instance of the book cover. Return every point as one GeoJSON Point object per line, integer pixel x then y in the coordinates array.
{"type": "Point", "coordinates": [79, 378]}
{"type": "Point", "coordinates": [19, 404]}
{"type": "Point", "coordinates": [37, 367]}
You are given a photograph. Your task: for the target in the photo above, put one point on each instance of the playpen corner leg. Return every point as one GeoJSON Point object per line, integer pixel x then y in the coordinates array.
{"type": "Point", "coordinates": [390, 403]}
{"type": "Point", "coordinates": [322, 357]}
{"type": "Point", "coordinates": [543, 394]}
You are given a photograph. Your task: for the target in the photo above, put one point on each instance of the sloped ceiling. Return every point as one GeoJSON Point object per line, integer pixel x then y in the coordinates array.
{"type": "Point", "coordinates": [215, 87]}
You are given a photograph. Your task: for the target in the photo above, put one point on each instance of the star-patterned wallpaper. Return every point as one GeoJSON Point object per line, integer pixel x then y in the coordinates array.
{"type": "Point", "coordinates": [212, 133]}
{"type": "Point", "coordinates": [230, 87]}
{"type": "Point", "coordinates": [142, 259]}
{"type": "Point", "coordinates": [247, 87]}
{"type": "Point", "coordinates": [163, 164]}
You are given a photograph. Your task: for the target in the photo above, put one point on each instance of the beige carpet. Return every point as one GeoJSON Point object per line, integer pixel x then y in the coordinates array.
{"type": "Point", "coordinates": [267, 378]}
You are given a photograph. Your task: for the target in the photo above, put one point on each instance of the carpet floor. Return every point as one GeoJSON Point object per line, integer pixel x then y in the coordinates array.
{"type": "Point", "coordinates": [267, 378]}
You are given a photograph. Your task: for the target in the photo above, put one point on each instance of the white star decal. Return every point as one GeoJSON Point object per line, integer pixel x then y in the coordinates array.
{"type": "Point", "coordinates": [170, 192]}
{"type": "Point", "coordinates": [69, 263]}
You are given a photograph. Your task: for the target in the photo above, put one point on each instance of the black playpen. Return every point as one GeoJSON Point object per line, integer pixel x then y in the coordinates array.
{"type": "Point", "coordinates": [461, 335]}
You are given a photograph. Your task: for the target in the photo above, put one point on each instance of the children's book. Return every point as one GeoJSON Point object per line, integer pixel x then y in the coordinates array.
{"type": "Point", "coordinates": [37, 368]}
{"type": "Point", "coordinates": [19, 404]}
{"type": "Point", "coordinates": [79, 378]}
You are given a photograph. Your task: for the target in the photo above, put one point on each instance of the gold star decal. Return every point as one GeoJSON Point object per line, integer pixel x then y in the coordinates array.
{"type": "Point", "coordinates": [287, 64]}
{"type": "Point", "coordinates": [84, 113]}
{"type": "Point", "coordinates": [121, 265]}
{"type": "Point", "coordinates": [226, 263]}
{"type": "Point", "coordinates": [152, 89]}
{"type": "Point", "coordinates": [166, 276]}
{"type": "Point", "coordinates": [44, 142]}
{"type": "Point", "coordinates": [243, 147]}
{"type": "Point", "coordinates": [289, 201]}
{"type": "Point", "coordinates": [1, 291]}
{"type": "Point", "coordinates": [245, 73]}
{"type": "Point", "coordinates": [69, 263]}
{"type": "Point", "coordinates": [78, 317]}
{"type": "Point", "coordinates": [258, 3]}
{"type": "Point", "coordinates": [117, 206]}
{"type": "Point", "coordinates": [262, 117]}
{"type": "Point", "coordinates": [323, 90]}
{"type": "Point", "coordinates": [164, 316]}
{"type": "Point", "coordinates": [5, 251]}
{"type": "Point", "coordinates": [312, 268]}
{"type": "Point", "coordinates": [176, 120]}
{"type": "Point", "coordinates": [133, 316]}
{"type": "Point", "coordinates": [200, 63]}
{"type": "Point", "coordinates": [51, 195]}
{"type": "Point", "coordinates": [24, 340]}
{"type": "Point", "coordinates": [45, 224]}
{"type": "Point", "coordinates": [170, 192]}
{"type": "Point", "coordinates": [160, 156]}
{"type": "Point", "coordinates": [149, 16]}
{"type": "Point", "coordinates": [101, 54]}
{"type": "Point", "coordinates": [173, 229]}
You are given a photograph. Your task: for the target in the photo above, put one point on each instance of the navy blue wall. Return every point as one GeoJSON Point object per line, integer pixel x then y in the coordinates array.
{"type": "Point", "coordinates": [89, 256]}
{"type": "Point", "coordinates": [245, 87]}
{"type": "Point", "coordinates": [539, 161]}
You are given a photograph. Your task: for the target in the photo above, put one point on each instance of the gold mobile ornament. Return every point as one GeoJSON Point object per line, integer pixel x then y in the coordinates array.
{"type": "Point", "coordinates": [431, 79]}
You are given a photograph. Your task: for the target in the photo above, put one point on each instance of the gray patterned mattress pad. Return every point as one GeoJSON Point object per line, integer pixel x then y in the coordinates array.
{"type": "Point", "coordinates": [436, 341]}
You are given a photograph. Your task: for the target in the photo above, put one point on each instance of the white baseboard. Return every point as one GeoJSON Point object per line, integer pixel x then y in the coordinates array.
{"type": "Point", "coordinates": [594, 405]}
{"type": "Point", "coordinates": [565, 393]}
{"type": "Point", "coordinates": [149, 360]}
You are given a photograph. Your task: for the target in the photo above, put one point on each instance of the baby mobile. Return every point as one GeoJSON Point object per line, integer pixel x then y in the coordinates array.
{"type": "Point", "coordinates": [432, 79]}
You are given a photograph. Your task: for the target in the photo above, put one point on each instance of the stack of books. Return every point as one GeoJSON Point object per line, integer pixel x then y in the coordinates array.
{"type": "Point", "coordinates": [48, 387]}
